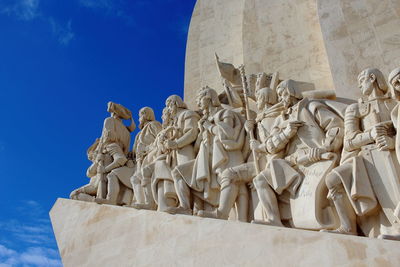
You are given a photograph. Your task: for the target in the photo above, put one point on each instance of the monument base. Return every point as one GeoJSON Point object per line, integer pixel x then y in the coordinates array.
{"type": "Point", "coordinates": [89, 234]}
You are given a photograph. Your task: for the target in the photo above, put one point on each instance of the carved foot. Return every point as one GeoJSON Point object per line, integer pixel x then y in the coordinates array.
{"type": "Point", "coordinates": [389, 237]}
{"type": "Point", "coordinates": [341, 230]}
{"type": "Point", "coordinates": [145, 206]}
{"type": "Point", "coordinates": [103, 201]}
{"type": "Point", "coordinates": [208, 214]}
{"type": "Point", "coordinates": [179, 210]}
{"type": "Point", "coordinates": [270, 223]}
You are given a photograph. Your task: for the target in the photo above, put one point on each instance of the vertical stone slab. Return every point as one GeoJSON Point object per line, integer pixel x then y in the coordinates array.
{"type": "Point", "coordinates": [264, 35]}
{"type": "Point", "coordinates": [359, 34]}
{"type": "Point", "coordinates": [286, 37]}
{"type": "Point", "coordinates": [216, 26]}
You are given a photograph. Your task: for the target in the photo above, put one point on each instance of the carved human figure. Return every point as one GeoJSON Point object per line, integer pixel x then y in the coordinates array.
{"type": "Point", "coordinates": [166, 118]}
{"type": "Point", "coordinates": [114, 143]}
{"type": "Point", "coordinates": [365, 185]}
{"type": "Point", "coordinates": [111, 154]}
{"type": "Point", "coordinates": [394, 82]}
{"type": "Point", "coordinates": [144, 144]}
{"type": "Point", "coordinates": [88, 192]}
{"type": "Point", "coordinates": [234, 179]}
{"type": "Point", "coordinates": [184, 128]}
{"type": "Point", "coordinates": [157, 173]}
{"type": "Point", "coordinates": [301, 136]}
{"type": "Point", "coordinates": [220, 141]}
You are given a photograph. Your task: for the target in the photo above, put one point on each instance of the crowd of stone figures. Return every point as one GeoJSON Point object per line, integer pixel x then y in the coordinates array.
{"type": "Point", "coordinates": [267, 155]}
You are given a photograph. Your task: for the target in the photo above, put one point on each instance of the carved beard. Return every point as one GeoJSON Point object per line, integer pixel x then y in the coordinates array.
{"type": "Point", "coordinates": [173, 111]}
{"type": "Point", "coordinates": [396, 85]}
{"type": "Point", "coordinates": [142, 123]}
{"type": "Point", "coordinates": [286, 103]}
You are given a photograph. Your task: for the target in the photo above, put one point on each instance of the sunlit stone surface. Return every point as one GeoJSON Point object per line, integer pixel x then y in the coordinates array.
{"type": "Point", "coordinates": [101, 235]}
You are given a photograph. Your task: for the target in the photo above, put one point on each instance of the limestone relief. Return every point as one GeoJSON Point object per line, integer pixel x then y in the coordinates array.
{"type": "Point", "coordinates": [263, 151]}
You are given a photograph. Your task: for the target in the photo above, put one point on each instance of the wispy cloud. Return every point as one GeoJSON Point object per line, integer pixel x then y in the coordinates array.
{"type": "Point", "coordinates": [113, 8]}
{"type": "Point", "coordinates": [63, 33]}
{"type": "Point", "coordinates": [32, 256]}
{"type": "Point", "coordinates": [22, 9]}
{"type": "Point", "coordinates": [106, 4]}
{"type": "Point", "coordinates": [28, 10]}
{"type": "Point", "coordinates": [28, 240]}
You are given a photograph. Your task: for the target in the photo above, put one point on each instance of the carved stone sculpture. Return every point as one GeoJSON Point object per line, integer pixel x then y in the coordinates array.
{"type": "Point", "coordinates": [201, 164]}
{"type": "Point", "coordinates": [306, 137]}
{"type": "Point", "coordinates": [220, 143]}
{"type": "Point", "coordinates": [394, 82]}
{"type": "Point", "coordinates": [114, 144]}
{"type": "Point", "coordinates": [234, 179]}
{"type": "Point", "coordinates": [88, 192]}
{"type": "Point", "coordinates": [365, 187]}
{"type": "Point", "coordinates": [144, 144]}
{"type": "Point", "coordinates": [111, 166]}
{"type": "Point", "coordinates": [158, 174]}
{"type": "Point", "coordinates": [184, 125]}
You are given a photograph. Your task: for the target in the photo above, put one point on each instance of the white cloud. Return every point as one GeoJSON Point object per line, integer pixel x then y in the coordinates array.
{"type": "Point", "coordinates": [63, 33]}
{"type": "Point", "coordinates": [32, 235]}
{"type": "Point", "coordinates": [6, 252]}
{"type": "Point", "coordinates": [113, 8]}
{"type": "Point", "coordinates": [28, 10]}
{"type": "Point", "coordinates": [35, 231]}
{"type": "Point", "coordinates": [107, 4]}
{"type": "Point", "coordinates": [22, 9]}
{"type": "Point", "coordinates": [32, 256]}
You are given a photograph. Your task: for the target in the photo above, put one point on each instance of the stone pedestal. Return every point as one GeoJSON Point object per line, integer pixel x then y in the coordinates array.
{"type": "Point", "coordinates": [89, 234]}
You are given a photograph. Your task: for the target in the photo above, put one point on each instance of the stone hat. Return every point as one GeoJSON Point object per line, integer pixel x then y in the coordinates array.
{"type": "Point", "coordinates": [380, 79]}
{"type": "Point", "coordinates": [290, 85]}
{"type": "Point", "coordinates": [120, 110]}
{"type": "Point", "coordinates": [393, 74]}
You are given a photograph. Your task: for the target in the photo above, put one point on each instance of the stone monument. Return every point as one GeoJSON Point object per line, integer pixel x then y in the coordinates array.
{"type": "Point", "coordinates": [284, 152]}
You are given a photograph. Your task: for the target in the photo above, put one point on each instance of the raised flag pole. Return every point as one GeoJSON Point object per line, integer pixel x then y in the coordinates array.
{"type": "Point", "coordinates": [246, 94]}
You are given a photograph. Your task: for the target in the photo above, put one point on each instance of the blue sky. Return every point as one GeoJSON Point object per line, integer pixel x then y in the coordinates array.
{"type": "Point", "coordinates": [60, 63]}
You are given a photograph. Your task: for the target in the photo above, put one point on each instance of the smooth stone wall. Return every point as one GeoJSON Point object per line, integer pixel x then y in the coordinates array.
{"type": "Point", "coordinates": [321, 42]}
{"type": "Point", "coordinates": [89, 234]}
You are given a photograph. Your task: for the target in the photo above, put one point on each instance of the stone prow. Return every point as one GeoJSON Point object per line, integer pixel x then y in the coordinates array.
{"type": "Point", "coordinates": [89, 234]}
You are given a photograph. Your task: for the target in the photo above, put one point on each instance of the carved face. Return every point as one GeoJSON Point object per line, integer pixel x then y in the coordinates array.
{"type": "Point", "coordinates": [172, 107]}
{"type": "Point", "coordinates": [142, 115]}
{"type": "Point", "coordinates": [396, 82]}
{"type": "Point", "coordinates": [366, 84]}
{"type": "Point", "coordinates": [204, 102]}
{"type": "Point", "coordinates": [284, 96]}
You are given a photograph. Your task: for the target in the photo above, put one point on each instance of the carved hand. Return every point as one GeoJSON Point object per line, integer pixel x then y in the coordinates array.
{"type": "Point", "coordinates": [315, 154]}
{"type": "Point", "coordinates": [256, 145]}
{"type": "Point", "coordinates": [207, 125]}
{"type": "Point", "coordinates": [172, 144]}
{"type": "Point", "coordinates": [385, 143]}
{"type": "Point", "coordinates": [204, 135]}
{"type": "Point", "coordinates": [249, 125]}
{"type": "Point", "coordinates": [100, 169]}
{"type": "Point", "coordinates": [145, 181]}
{"type": "Point", "coordinates": [377, 131]}
{"type": "Point", "coordinates": [200, 124]}
{"type": "Point", "coordinates": [292, 127]}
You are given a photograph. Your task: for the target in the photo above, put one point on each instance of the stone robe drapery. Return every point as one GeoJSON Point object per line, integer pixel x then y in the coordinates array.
{"type": "Point", "coordinates": [289, 173]}
{"type": "Point", "coordinates": [145, 138]}
{"type": "Point", "coordinates": [353, 171]}
{"type": "Point", "coordinates": [186, 125]}
{"type": "Point", "coordinates": [221, 151]}
{"type": "Point", "coordinates": [114, 131]}
{"type": "Point", "coordinates": [159, 171]}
